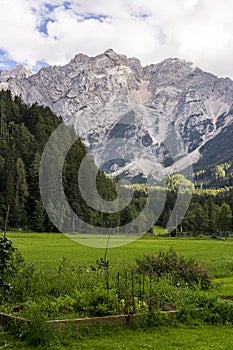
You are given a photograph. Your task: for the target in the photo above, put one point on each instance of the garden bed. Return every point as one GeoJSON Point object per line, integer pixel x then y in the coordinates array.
{"type": "Point", "coordinates": [89, 321]}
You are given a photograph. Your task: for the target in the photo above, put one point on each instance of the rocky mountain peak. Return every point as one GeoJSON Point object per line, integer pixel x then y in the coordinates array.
{"type": "Point", "coordinates": [19, 72]}
{"type": "Point", "coordinates": [79, 59]}
{"type": "Point", "coordinates": [108, 60]}
{"type": "Point", "coordinates": [171, 71]}
{"type": "Point", "coordinates": [110, 96]}
{"type": "Point", "coordinates": [111, 54]}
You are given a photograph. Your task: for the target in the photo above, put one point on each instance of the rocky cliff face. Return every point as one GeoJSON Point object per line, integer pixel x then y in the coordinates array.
{"type": "Point", "coordinates": [130, 116]}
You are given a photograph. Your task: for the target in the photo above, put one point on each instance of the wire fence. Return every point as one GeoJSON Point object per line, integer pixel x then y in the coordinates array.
{"type": "Point", "coordinates": [134, 291]}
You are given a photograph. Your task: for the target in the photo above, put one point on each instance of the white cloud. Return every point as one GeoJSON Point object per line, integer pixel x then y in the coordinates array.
{"type": "Point", "coordinates": [197, 30]}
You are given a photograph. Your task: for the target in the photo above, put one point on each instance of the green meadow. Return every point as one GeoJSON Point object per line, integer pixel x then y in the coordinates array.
{"type": "Point", "coordinates": [196, 337]}
{"type": "Point", "coordinates": [46, 251]}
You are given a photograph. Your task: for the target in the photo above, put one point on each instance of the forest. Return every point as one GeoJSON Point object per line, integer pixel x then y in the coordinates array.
{"type": "Point", "coordinates": [24, 131]}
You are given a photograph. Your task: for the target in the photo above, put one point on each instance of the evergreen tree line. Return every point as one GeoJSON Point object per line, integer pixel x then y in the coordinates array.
{"type": "Point", "coordinates": [24, 131]}
{"type": "Point", "coordinates": [210, 211]}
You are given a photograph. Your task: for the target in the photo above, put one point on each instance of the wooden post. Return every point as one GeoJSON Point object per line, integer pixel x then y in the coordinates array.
{"type": "Point", "coordinates": [6, 220]}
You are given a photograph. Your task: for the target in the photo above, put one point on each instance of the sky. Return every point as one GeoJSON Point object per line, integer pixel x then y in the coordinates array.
{"type": "Point", "coordinates": [37, 33]}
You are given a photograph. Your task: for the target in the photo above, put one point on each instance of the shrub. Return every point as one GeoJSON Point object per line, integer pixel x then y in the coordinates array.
{"type": "Point", "coordinates": [37, 332]}
{"type": "Point", "coordinates": [101, 302]}
{"type": "Point", "coordinates": [176, 266]}
{"type": "Point", "coordinates": [10, 260]}
{"type": "Point", "coordinates": [97, 302]}
{"type": "Point", "coordinates": [219, 312]}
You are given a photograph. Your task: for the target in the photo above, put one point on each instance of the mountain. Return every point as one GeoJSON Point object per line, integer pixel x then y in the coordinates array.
{"type": "Point", "coordinates": [133, 119]}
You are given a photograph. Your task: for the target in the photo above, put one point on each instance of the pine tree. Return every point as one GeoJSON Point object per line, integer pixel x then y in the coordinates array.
{"type": "Point", "coordinates": [224, 221]}
{"type": "Point", "coordinates": [21, 194]}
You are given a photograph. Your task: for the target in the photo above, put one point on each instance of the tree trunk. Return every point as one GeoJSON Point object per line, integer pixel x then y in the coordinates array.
{"type": "Point", "coordinates": [6, 220]}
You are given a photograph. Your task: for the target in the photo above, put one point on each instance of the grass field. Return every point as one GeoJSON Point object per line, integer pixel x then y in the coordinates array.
{"type": "Point", "coordinates": [198, 337]}
{"type": "Point", "coordinates": [167, 338]}
{"type": "Point", "coordinates": [46, 250]}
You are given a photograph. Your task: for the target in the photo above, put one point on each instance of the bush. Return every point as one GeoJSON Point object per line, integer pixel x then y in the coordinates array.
{"type": "Point", "coordinates": [176, 266]}
{"type": "Point", "coordinates": [220, 312]}
{"type": "Point", "coordinates": [10, 260]}
{"type": "Point", "coordinates": [97, 302]}
{"type": "Point", "coordinates": [37, 332]}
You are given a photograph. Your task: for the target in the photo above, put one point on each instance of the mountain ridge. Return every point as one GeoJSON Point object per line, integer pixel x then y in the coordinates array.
{"type": "Point", "coordinates": [170, 109]}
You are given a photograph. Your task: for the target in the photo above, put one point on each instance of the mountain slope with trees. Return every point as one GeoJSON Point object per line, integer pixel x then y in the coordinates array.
{"type": "Point", "coordinates": [215, 167]}
{"type": "Point", "coordinates": [24, 132]}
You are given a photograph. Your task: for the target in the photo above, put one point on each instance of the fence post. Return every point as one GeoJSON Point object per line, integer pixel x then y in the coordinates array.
{"type": "Point", "coordinates": [139, 286]}
{"type": "Point", "coordinates": [132, 283]}
{"type": "Point", "coordinates": [107, 279]}
{"type": "Point", "coordinates": [150, 296]}
{"type": "Point", "coordinates": [118, 291]}
{"type": "Point", "coordinates": [143, 284]}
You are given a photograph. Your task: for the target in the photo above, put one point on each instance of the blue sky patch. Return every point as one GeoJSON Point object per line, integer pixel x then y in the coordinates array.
{"type": "Point", "coordinates": [43, 26]}
{"type": "Point", "coordinates": [5, 62]}
{"type": "Point", "coordinates": [141, 15]}
{"type": "Point", "coordinates": [2, 53]}
{"type": "Point", "coordinates": [39, 65]}
{"type": "Point", "coordinates": [67, 5]}
{"type": "Point", "coordinates": [50, 7]}
{"type": "Point", "coordinates": [8, 64]}
{"type": "Point", "coordinates": [96, 16]}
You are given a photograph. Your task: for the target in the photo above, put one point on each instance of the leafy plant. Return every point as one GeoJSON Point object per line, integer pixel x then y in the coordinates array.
{"type": "Point", "coordinates": [37, 331]}
{"type": "Point", "coordinates": [10, 259]}
{"type": "Point", "coordinates": [180, 268]}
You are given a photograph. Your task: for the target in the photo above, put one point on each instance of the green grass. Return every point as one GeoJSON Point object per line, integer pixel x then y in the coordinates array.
{"type": "Point", "coordinates": [159, 231]}
{"type": "Point", "coordinates": [226, 285]}
{"type": "Point", "coordinates": [180, 337]}
{"type": "Point", "coordinates": [46, 249]}
{"type": "Point", "coordinates": [167, 338]}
